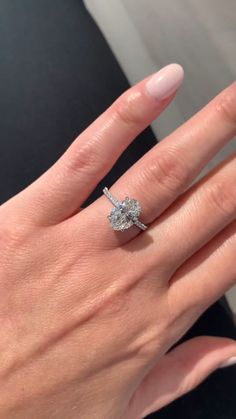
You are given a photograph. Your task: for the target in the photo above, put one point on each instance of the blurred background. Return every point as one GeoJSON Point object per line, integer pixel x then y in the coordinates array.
{"type": "Point", "coordinates": [145, 35]}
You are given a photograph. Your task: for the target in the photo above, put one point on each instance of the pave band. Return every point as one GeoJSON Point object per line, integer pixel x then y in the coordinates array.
{"type": "Point", "coordinates": [125, 213]}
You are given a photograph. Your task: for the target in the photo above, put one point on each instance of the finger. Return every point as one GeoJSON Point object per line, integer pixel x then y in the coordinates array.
{"type": "Point", "coordinates": [165, 172]}
{"type": "Point", "coordinates": [64, 187]}
{"type": "Point", "coordinates": [207, 275]}
{"type": "Point", "coordinates": [180, 371]}
{"type": "Point", "coordinates": [195, 218]}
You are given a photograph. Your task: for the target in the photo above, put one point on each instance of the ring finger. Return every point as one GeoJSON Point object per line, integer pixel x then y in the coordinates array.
{"type": "Point", "coordinates": [61, 191]}
{"type": "Point", "coordinates": [165, 172]}
{"type": "Point", "coordinates": [193, 220]}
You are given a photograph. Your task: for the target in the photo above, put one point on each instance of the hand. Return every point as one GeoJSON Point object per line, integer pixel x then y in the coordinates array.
{"type": "Point", "coordinates": [88, 314]}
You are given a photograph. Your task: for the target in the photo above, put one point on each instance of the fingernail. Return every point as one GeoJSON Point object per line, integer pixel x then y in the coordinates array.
{"type": "Point", "coordinates": [228, 362]}
{"type": "Point", "coordinates": [166, 81]}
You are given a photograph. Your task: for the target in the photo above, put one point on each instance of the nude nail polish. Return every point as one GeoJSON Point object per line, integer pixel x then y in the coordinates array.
{"type": "Point", "coordinates": [165, 82]}
{"type": "Point", "coordinates": [228, 362]}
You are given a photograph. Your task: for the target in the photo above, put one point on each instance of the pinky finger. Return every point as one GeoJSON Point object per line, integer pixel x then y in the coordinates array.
{"type": "Point", "coordinates": [207, 275]}
{"type": "Point", "coordinates": [179, 372]}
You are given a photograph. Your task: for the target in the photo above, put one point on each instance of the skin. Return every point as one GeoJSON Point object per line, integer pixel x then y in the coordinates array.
{"type": "Point", "coordinates": [88, 314]}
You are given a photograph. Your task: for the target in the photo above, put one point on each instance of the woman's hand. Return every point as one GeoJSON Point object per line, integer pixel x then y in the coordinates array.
{"type": "Point", "coordinates": [87, 313]}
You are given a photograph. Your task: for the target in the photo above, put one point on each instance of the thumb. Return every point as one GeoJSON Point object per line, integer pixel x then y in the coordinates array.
{"type": "Point", "coordinates": [180, 371]}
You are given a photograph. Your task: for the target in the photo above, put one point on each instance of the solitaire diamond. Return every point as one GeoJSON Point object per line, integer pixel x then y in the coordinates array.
{"type": "Point", "coordinates": [124, 214]}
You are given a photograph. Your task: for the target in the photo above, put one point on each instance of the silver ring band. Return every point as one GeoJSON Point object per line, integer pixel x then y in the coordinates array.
{"type": "Point", "coordinates": [125, 213]}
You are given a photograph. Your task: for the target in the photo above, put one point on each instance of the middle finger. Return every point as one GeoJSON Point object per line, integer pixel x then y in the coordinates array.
{"type": "Point", "coordinates": [165, 172]}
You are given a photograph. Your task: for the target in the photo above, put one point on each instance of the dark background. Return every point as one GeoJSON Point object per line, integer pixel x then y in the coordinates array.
{"type": "Point", "coordinates": [57, 74]}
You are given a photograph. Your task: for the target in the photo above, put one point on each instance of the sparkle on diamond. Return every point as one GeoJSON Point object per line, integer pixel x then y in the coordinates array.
{"type": "Point", "coordinates": [123, 217]}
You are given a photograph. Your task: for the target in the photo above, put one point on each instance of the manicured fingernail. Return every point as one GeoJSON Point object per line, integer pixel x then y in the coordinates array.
{"type": "Point", "coordinates": [166, 81]}
{"type": "Point", "coordinates": [228, 362]}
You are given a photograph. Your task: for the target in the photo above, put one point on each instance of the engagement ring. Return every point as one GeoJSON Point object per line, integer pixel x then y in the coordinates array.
{"type": "Point", "coordinates": [125, 213]}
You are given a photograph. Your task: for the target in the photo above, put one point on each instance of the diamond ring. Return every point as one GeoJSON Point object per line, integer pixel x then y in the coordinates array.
{"type": "Point", "coordinates": [125, 213]}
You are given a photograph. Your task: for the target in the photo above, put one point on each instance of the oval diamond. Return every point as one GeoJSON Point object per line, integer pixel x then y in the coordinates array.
{"type": "Point", "coordinates": [123, 216]}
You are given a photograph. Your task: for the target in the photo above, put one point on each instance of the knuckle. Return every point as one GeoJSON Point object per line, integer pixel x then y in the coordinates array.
{"type": "Point", "coordinates": [222, 197]}
{"type": "Point", "coordinates": [127, 111]}
{"type": "Point", "coordinates": [226, 105]}
{"type": "Point", "coordinates": [84, 157]}
{"type": "Point", "coordinates": [169, 170]}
